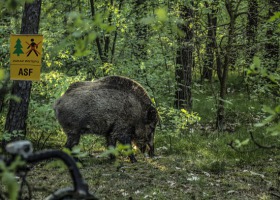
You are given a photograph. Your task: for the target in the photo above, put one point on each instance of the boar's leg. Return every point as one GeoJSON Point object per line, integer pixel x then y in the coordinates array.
{"type": "Point", "coordinates": [125, 138]}
{"type": "Point", "coordinates": [151, 151]}
{"type": "Point", "coordinates": [111, 142]}
{"type": "Point", "coordinates": [73, 138]}
{"type": "Point", "coordinates": [132, 158]}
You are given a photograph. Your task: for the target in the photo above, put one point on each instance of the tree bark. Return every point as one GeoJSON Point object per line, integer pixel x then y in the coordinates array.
{"type": "Point", "coordinates": [251, 31]}
{"type": "Point", "coordinates": [223, 67]}
{"type": "Point", "coordinates": [272, 46]}
{"type": "Point", "coordinates": [18, 111]}
{"type": "Point", "coordinates": [105, 45]}
{"type": "Point", "coordinates": [101, 53]}
{"type": "Point", "coordinates": [210, 42]}
{"type": "Point", "coordinates": [184, 62]}
{"type": "Point", "coordinates": [140, 7]}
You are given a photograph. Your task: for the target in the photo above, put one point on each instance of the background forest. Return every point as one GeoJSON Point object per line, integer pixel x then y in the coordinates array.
{"type": "Point", "coordinates": [211, 68]}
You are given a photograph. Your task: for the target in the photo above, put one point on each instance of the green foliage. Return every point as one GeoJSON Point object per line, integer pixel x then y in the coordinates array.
{"type": "Point", "coordinates": [13, 4]}
{"type": "Point", "coordinates": [270, 85]}
{"type": "Point", "coordinates": [272, 121]}
{"type": "Point", "coordinates": [42, 125]}
{"type": "Point", "coordinates": [7, 136]}
{"type": "Point", "coordinates": [179, 121]}
{"type": "Point", "coordinates": [92, 143]}
{"type": "Point", "coordinates": [175, 125]}
{"type": "Point", "coordinates": [60, 166]}
{"type": "Point", "coordinates": [263, 80]}
{"type": "Point", "coordinates": [2, 74]}
{"type": "Point", "coordinates": [239, 143]}
{"type": "Point", "coordinates": [75, 152]}
{"type": "Point", "coordinates": [7, 175]}
{"type": "Point", "coordinates": [120, 150]}
{"type": "Point", "coordinates": [52, 86]}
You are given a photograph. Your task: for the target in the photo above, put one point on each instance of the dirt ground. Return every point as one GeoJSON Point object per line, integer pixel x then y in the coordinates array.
{"type": "Point", "coordinates": [164, 177]}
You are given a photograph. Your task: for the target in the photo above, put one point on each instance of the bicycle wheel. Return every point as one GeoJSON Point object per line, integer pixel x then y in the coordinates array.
{"type": "Point", "coordinates": [1, 197]}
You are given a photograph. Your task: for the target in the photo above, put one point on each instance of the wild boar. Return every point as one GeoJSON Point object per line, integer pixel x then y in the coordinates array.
{"type": "Point", "coordinates": [115, 107]}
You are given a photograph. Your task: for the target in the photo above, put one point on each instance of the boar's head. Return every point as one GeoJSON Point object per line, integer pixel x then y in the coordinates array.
{"type": "Point", "coordinates": [145, 132]}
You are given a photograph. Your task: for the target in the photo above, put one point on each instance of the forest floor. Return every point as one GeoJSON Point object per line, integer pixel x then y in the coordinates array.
{"type": "Point", "coordinates": [167, 177]}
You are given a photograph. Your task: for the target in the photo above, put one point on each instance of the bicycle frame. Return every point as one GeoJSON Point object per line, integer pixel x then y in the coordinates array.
{"type": "Point", "coordinates": [80, 190]}
{"type": "Point", "coordinates": [80, 186]}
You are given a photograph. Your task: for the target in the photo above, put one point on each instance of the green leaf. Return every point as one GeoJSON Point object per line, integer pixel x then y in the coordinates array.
{"type": "Point", "coordinates": [161, 14]}
{"type": "Point", "coordinates": [239, 143]}
{"type": "Point", "coordinates": [2, 74]}
{"type": "Point", "coordinates": [147, 20]}
{"type": "Point", "coordinates": [255, 66]}
{"type": "Point", "coordinates": [245, 142]}
{"type": "Point", "coordinates": [257, 61]}
{"type": "Point", "coordinates": [226, 101]}
{"type": "Point", "coordinates": [184, 111]}
{"type": "Point", "coordinates": [9, 180]}
{"type": "Point", "coordinates": [274, 17]}
{"type": "Point", "coordinates": [268, 110]}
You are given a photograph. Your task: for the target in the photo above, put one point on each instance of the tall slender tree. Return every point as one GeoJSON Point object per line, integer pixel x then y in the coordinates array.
{"type": "Point", "coordinates": [18, 110]}
{"type": "Point", "coordinates": [210, 41]}
{"type": "Point", "coordinates": [252, 27]}
{"type": "Point", "coordinates": [227, 59]}
{"type": "Point", "coordinates": [272, 44]}
{"type": "Point", "coordinates": [184, 61]}
{"type": "Point", "coordinates": [106, 43]}
{"type": "Point", "coordinates": [140, 8]}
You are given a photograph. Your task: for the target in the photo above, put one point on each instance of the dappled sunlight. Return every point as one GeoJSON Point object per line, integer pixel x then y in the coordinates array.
{"type": "Point", "coordinates": [156, 164]}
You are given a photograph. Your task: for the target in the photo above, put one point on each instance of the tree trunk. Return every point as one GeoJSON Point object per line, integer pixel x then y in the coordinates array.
{"type": "Point", "coordinates": [272, 46]}
{"type": "Point", "coordinates": [115, 35]}
{"type": "Point", "coordinates": [210, 42]}
{"type": "Point", "coordinates": [101, 52]}
{"type": "Point", "coordinates": [17, 113]}
{"type": "Point", "coordinates": [140, 7]}
{"type": "Point", "coordinates": [184, 61]}
{"type": "Point", "coordinates": [252, 29]}
{"type": "Point", "coordinates": [223, 67]}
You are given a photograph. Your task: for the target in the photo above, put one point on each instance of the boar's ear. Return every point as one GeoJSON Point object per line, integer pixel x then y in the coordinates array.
{"type": "Point", "coordinates": [151, 114]}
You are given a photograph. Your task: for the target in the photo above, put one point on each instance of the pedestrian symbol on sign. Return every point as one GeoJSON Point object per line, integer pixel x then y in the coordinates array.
{"type": "Point", "coordinates": [33, 46]}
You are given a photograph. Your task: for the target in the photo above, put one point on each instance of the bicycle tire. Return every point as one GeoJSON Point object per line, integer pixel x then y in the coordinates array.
{"type": "Point", "coordinates": [1, 197]}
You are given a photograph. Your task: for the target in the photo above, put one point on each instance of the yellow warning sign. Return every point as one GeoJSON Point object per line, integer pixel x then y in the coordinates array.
{"type": "Point", "coordinates": [31, 73]}
{"type": "Point", "coordinates": [25, 57]}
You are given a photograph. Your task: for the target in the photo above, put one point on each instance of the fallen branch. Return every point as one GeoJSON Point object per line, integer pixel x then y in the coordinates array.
{"type": "Point", "coordinates": [262, 146]}
{"type": "Point", "coordinates": [274, 192]}
{"type": "Point", "coordinates": [231, 144]}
